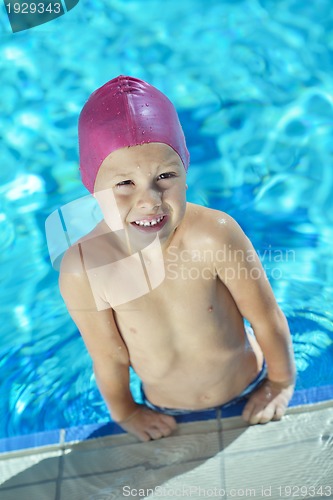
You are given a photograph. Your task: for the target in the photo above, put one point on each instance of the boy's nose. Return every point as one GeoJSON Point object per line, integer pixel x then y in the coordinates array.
{"type": "Point", "coordinates": [150, 199]}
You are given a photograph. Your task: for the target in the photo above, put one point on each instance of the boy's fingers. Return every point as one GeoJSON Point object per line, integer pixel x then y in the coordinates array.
{"type": "Point", "coordinates": [159, 430]}
{"type": "Point", "coordinates": [248, 410]}
{"type": "Point", "coordinates": [143, 436]}
{"type": "Point", "coordinates": [169, 421]}
{"type": "Point", "coordinates": [266, 404]}
{"type": "Point", "coordinates": [279, 412]}
{"type": "Point", "coordinates": [256, 414]}
{"type": "Point", "coordinates": [155, 433]}
{"type": "Point", "coordinates": [165, 430]}
{"type": "Point", "coordinates": [148, 425]}
{"type": "Point", "coordinates": [261, 416]}
{"type": "Point", "coordinates": [267, 414]}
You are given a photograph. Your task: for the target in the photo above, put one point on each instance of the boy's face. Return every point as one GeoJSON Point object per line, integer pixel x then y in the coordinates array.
{"type": "Point", "coordinates": [149, 186]}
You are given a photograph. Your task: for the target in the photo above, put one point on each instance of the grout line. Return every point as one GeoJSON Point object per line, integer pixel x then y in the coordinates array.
{"type": "Point", "coordinates": [62, 438]}
{"type": "Point", "coordinates": [60, 476]}
{"type": "Point", "coordinates": [221, 447]}
{"type": "Point", "coordinates": [24, 485]}
{"type": "Point", "coordinates": [62, 444]}
{"type": "Point", "coordinates": [219, 428]}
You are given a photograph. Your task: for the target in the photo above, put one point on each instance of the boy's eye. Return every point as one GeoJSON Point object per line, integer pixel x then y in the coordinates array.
{"type": "Point", "coordinates": [166, 175]}
{"type": "Point", "coordinates": [124, 183]}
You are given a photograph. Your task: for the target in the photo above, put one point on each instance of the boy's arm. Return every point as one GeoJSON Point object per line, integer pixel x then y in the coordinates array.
{"type": "Point", "coordinates": [108, 352]}
{"type": "Point", "coordinates": [246, 280]}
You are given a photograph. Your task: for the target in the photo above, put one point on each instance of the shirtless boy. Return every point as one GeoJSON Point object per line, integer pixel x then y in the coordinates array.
{"type": "Point", "coordinates": [184, 336]}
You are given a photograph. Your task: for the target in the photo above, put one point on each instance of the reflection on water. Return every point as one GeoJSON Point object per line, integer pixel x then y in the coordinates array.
{"type": "Point", "coordinates": [252, 81]}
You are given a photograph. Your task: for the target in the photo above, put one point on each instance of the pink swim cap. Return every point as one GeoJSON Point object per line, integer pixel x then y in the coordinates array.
{"type": "Point", "coordinates": [125, 112]}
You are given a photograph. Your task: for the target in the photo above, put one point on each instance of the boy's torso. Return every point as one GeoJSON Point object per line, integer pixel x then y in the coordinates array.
{"type": "Point", "coordinates": [186, 338]}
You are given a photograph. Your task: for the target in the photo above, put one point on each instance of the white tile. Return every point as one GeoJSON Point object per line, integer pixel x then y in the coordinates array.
{"type": "Point", "coordinates": [44, 491]}
{"type": "Point", "coordinates": [30, 468]}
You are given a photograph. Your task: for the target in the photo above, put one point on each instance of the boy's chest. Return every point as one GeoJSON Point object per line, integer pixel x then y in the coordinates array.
{"type": "Point", "coordinates": [153, 279]}
{"type": "Point", "coordinates": [178, 317]}
{"type": "Point", "coordinates": [178, 307]}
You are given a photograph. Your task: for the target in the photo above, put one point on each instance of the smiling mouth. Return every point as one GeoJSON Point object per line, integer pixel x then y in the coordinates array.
{"type": "Point", "coordinates": [155, 223]}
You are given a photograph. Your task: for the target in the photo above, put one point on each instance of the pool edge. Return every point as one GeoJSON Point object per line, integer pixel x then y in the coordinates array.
{"type": "Point", "coordinates": [61, 438]}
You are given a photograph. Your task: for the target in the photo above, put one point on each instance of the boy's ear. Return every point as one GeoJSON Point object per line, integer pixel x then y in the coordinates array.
{"type": "Point", "coordinates": [186, 186]}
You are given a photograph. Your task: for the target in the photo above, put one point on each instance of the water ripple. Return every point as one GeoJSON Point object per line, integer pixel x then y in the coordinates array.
{"type": "Point", "coordinates": [252, 81]}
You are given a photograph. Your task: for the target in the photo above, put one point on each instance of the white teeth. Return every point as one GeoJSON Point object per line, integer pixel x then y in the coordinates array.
{"type": "Point", "coordinates": [147, 223]}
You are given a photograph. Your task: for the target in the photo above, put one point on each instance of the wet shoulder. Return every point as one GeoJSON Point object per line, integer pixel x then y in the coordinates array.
{"type": "Point", "coordinates": [71, 261]}
{"type": "Point", "coordinates": [84, 252]}
{"type": "Point", "coordinates": [210, 225]}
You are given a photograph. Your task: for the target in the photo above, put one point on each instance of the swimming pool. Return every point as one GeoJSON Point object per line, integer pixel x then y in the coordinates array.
{"type": "Point", "coordinates": [252, 81]}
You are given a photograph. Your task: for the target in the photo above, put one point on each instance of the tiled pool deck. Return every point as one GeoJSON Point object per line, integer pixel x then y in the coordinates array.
{"type": "Point", "coordinates": [73, 434]}
{"type": "Point", "coordinates": [206, 457]}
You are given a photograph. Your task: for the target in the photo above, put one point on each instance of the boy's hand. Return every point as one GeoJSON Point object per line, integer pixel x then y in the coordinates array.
{"type": "Point", "coordinates": [269, 402]}
{"type": "Point", "coordinates": [147, 424]}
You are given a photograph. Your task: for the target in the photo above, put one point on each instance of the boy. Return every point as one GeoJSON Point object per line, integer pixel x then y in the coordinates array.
{"type": "Point", "coordinates": [163, 285]}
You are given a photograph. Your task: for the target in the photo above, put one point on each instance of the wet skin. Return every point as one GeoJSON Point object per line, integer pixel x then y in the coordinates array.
{"type": "Point", "coordinates": [184, 338]}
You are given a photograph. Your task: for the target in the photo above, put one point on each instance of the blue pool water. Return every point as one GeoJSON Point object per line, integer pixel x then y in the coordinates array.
{"type": "Point", "coordinates": [252, 81]}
